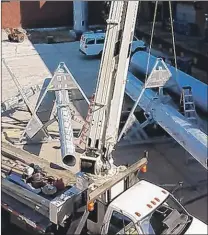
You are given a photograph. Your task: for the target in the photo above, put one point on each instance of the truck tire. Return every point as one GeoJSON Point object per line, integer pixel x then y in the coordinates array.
{"type": "Point", "coordinates": [100, 54]}
{"type": "Point", "coordinates": [133, 52]}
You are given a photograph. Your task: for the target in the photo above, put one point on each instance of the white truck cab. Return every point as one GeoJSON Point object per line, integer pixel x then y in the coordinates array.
{"type": "Point", "coordinates": [92, 42]}
{"type": "Point", "coordinates": [148, 209]}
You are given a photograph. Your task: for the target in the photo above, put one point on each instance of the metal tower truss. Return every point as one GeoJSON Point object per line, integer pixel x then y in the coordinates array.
{"type": "Point", "coordinates": [133, 130]}
{"type": "Point", "coordinates": [189, 136]}
{"type": "Point", "coordinates": [159, 76]}
{"type": "Point", "coordinates": [71, 104]}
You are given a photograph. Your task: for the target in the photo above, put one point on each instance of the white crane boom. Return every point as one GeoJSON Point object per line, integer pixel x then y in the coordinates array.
{"type": "Point", "coordinates": [112, 78]}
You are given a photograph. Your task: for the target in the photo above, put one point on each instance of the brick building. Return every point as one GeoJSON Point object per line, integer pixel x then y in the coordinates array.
{"type": "Point", "coordinates": [37, 14]}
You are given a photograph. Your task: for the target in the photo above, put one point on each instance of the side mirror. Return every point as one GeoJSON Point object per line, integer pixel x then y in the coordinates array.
{"type": "Point", "coordinates": [180, 184]}
{"type": "Point", "coordinates": [181, 200]}
{"type": "Point", "coordinates": [178, 187]}
{"type": "Point", "coordinates": [146, 154]}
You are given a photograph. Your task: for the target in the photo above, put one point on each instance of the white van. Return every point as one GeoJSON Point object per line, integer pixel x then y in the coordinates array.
{"type": "Point", "coordinates": [92, 42]}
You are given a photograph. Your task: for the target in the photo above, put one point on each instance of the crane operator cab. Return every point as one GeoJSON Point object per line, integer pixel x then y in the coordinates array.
{"type": "Point", "coordinates": [92, 43]}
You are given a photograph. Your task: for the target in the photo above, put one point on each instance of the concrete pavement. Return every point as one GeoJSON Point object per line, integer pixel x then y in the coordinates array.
{"type": "Point", "coordinates": [31, 64]}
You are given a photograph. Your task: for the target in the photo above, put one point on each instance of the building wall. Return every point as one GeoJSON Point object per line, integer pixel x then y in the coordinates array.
{"type": "Point", "coordinates": [147, 9]}
{"type": "Point", "coordinates": [186, 12]}
{"type": "Point", "coordinates": [37, 14]}
{"type": "Point", "coordinates": [95, 14]}
{"type": "Point", "coordinates": [196, 14]}
{"type": "Point", "coordinates": [10, 14]}
{"type": "Point", "coordinates": [200, 16]}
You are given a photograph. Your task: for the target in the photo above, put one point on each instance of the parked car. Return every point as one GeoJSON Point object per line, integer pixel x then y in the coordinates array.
{"type": "Point", "coordinates": [92, 42]}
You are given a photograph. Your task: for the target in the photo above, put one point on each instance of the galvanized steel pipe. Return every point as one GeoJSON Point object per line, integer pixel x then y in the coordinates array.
{"type": "Point", "coordinates": [18, 99]}
{"type": "Point", "coordinates": [175, 124]}
{"type": "Point", "coordinates": [179, 79]}
{"type": "Point", "coordinates": [65, 127]}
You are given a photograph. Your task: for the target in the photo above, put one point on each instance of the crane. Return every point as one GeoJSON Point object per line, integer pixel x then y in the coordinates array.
{"type": "Point", "coordinates": [71, 210]}
{"type": "Point", "coordinates": [108, 100]}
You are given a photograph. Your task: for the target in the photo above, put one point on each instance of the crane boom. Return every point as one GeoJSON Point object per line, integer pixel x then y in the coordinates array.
{"type": "Point", "coordinates": [112, 78]}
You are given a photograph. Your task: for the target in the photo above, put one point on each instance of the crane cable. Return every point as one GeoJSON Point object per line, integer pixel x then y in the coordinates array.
{"type": "Point", "coordinates": [173, 41]}
{"type": "Point", "coordinates": [144, 88]}
{"type": "Point", "coordinates": [151, 39]}
{"type": "Point", "coordinates": [172, 33]}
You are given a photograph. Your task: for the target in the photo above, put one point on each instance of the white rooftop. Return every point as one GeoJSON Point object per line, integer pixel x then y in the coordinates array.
{"type": "Point", "coordinates": [94, 34]}
{"type": "Point", "coordinates": [137, 197]}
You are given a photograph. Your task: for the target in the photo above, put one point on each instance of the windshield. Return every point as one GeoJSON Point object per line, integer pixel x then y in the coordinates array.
{"type": "Point", "coordinates": [170, 217]}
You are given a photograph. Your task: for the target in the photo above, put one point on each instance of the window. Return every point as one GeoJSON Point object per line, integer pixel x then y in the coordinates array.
{"type": "Point", "coordinates": [121, 224]}
{"type": "Point", "coordinates": [90, 41]}
{"type": "Point", "coordinates": [169, 211]}
{"type": "Point", "coordinates": [100, 41]}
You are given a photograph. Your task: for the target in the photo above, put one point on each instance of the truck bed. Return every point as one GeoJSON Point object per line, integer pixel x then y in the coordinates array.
{"type": "Point", "coordinates": [37, 202]}
{"type": "Point", "coordinates": [24, 214]}
{"type": "Point", "coordinates": [86, 188]}
{"type": "Point", "coordinates": [17, 154]}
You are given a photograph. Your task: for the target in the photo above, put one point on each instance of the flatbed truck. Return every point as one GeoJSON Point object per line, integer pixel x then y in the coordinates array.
{"type": "Point", "coordinates": [111, 204]}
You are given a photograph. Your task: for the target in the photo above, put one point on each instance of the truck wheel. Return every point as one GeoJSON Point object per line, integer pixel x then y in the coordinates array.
{"type": "Point", "coordinates": [100, 54]}
{"type": "Point", "coordinates": [133, 52]}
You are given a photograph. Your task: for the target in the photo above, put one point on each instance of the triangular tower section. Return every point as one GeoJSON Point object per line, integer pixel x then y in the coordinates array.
{"type": "Point", "coordinates": [159, 76]}
{"type": "Point", "coordinates": [36, 130]}
{"type": "Point", "coordinates": [62, 79]}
